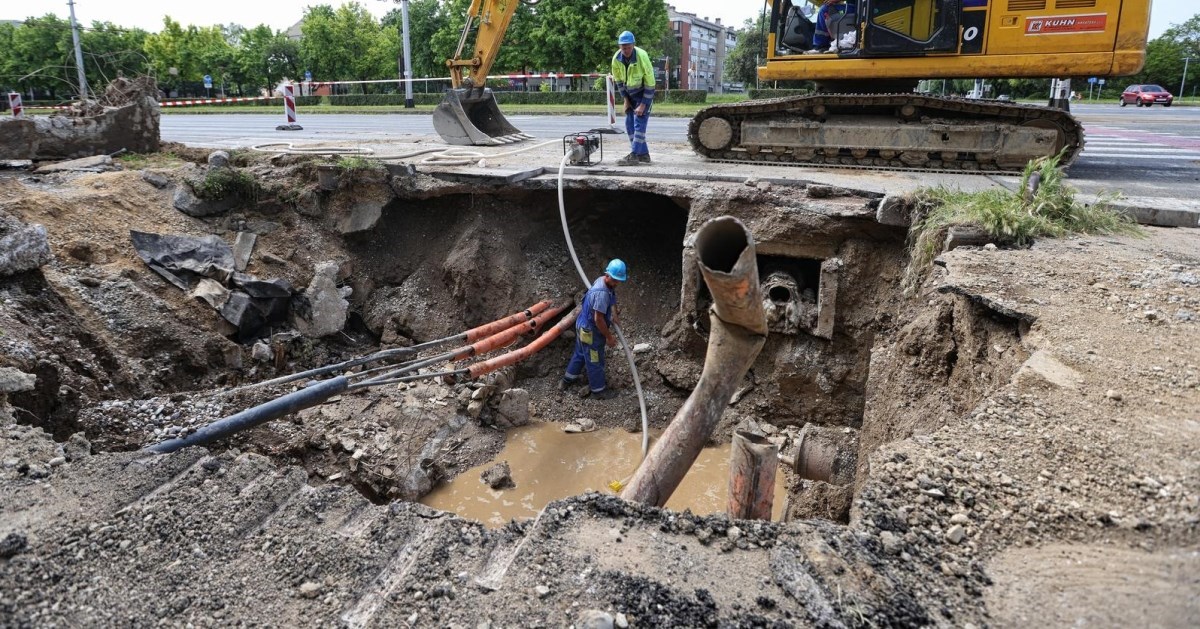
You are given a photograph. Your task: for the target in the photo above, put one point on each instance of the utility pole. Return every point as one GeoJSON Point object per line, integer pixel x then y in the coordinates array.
{"type": "Point", "coordinates": [83, 90]}
{"type": "Point", "coordinates": [408, 93]}
{"type": "Point", "coordinates": [1183, 81]}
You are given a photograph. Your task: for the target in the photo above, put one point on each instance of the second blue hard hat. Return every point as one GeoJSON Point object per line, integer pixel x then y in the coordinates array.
{"type": "Point", "coordinates": [616, 270]}
{"type": "Point", "coordinates": [625, 38]}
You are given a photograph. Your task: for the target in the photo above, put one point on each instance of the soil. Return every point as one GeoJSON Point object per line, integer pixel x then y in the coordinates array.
{"type": "Point", "coordinates": [1027, 418]}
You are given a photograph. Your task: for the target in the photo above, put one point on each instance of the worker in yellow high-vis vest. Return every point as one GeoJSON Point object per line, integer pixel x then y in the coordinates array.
{"type": "Point", "coordinates": [633, 75]}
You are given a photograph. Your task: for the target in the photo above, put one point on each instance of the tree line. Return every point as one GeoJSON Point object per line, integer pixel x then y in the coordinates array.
{"type": "Point", "coordinates": [345, 43]}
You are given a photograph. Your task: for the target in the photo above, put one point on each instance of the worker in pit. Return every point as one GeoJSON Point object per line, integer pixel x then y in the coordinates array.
{"type": "Point", "coordinates": [593, 331]}
{"type": "Point", "coordinates": [822, 36]}
{"type": "Point", "coordinates": [633, 75]}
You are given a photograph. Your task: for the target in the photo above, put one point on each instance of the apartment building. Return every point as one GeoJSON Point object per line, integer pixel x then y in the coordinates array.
{"type": "Point", "coordinates": [705, 46]}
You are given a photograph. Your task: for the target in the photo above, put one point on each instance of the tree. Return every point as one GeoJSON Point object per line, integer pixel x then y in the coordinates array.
{"type": "Point", "coordinates": [741, 66]}
{"type": "Point", "coordinates": [347, 44]}
{"type": "Point", "coordinates": [42, 55]}
{"type": "Point", "coordinates": [425, 19]}
{"type": "Point", "coordinates": [1165, 54]}
{"type": "Point", "coordinates": [577, 35]}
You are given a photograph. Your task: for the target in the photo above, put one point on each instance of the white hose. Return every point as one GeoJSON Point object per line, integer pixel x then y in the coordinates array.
{"type": "Point", "coordinates": [442, 155]}
{"type": "Point", "coordinates": [637, 382]}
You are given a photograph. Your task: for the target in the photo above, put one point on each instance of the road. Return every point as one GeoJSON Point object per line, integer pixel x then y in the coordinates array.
{"type": "Point", "coordinates": [1142, 152]}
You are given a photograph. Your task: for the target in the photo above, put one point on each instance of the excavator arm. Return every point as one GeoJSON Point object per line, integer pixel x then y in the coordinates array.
{"type": "Point", "coordinates": [492, 18]}
{"type": "Point", "coordinates": [468, 113]}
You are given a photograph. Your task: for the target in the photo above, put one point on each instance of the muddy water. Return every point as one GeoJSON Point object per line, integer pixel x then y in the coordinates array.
{"type": "Point", "coordinates": [548, 464]}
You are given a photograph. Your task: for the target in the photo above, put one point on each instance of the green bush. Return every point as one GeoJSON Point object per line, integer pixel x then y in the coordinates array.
{"type": "Point", "coordinates": [757, 94]}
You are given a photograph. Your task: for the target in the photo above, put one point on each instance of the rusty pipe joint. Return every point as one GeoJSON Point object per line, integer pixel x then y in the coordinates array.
{"type": "Point", "coordinates": [825, 453]}
{"type": "Point", "coordinates": [738, 330]}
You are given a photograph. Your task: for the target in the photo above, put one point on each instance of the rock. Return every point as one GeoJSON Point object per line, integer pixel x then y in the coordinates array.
{"type": "Point", "coordinates": [583, 424]}
{"type": "Point", "coordinates": [991, 246]}
{"type": "Point", "coordinates": [960, 518]}
{"type": "Point", "coordinates": [621, 620]}
{"type": "Point", "coordinates": [594, 619]}
{"type": "Point", "coordinates": [309, 204]}
{"type": "Point", "coordinates": [817, 191]}
{"type": "Point", "coordinates": [475, 408]}
{"type": "Point", "coordinates": [15, 381]}
{"type": "Point", "coordinates": [156, 179]}
{"type": "Point", "coordinates": [1114, 395]}
{"type": "Point", "coordinates": [261, 352]}
{"type": "Point", "coordinates": [642, 348]}
{"type": "Point", "coordinates": [310, 589]}
{"type": "Point", "coordinates": [243, 247]}
{"type": "Point", "coordinates": [541, 591]}
{"type": "Point", "coordinates": [24, 249]}
{"type": "Point", "coordinates": [956, 534]}
{"type": "Point", "coordinates": [1185, 315]}
{"type": "Point", "coordinates": [218, 159]}
{"type": "Point", "coordinates": [1150, 315]}
{"type": "Point", "coordinates": [96, 163]}
{"type": "Point", "coordinates": [514, 407]}
{"type": "Point", "coordinates": [16, 164]}
{"type": "Point", "coordinates": [187, 202]}
{"type": "Point", "coordinates": [733, 533]}
{"type": "Point", "coordinates": [57, 461]}
{"type": "Point", "coordinates": [77, 447]}
{"type": "Point", "coordinates": [891, 543]}
{"type": "Point", "coordinates": [934, 493]}
{"type": "Point", "coordinates": [894, 211]}
{"type": "Point", "coordinates": [498, 476]}
{"type": "Point", "coordinates": [13, 544]}
{"type": "Point", "coordinates": [327, 310]}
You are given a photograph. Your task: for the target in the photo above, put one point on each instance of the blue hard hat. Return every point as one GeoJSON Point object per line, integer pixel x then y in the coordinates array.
{"type": "Point", "coordinates": [616, 270]}
{"type": "Point", "coordinates": [625, 38]}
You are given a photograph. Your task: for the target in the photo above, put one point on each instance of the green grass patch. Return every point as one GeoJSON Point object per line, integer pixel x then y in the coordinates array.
{"type": "Point", "coordinates": [138, 161]}
{"type": "Point", "coordinates": [1013, 218]}
{"type": "Point", "coordinates": [354, 164]}
{"type": "Point", "coordinates": [222, 183]}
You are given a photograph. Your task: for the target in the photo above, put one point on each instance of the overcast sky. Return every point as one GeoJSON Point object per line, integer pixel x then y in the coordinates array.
{"type": "Point", "coordinates": [280, 14]}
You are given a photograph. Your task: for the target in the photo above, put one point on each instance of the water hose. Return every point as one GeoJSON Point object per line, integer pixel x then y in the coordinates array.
{"type": "Point", "coordinates": [637, 382]}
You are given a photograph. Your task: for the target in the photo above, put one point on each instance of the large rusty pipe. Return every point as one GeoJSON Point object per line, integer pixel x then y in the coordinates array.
{"type": "Point", "coordinates": [517, 355]}
{"type": "Point", "coordinates": [725, 252]}
{"type": "Point", "coordinates": [753, 462]}
{"type": "Point", "coordinates": [509, 336]}
{"type": "Point", "coordinates": [488, 329]}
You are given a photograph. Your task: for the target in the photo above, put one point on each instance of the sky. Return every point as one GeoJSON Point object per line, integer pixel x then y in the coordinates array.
{"type": "Point", "coordinates": [280, 14]}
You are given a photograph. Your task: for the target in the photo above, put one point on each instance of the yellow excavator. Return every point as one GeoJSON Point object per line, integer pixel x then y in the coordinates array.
{"type": "Point", "coordinates": [468, 113]}
{"type": "Point", "coordinates": [865, 112]}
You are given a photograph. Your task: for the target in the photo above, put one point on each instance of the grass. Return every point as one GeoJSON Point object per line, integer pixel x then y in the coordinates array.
{"type": "Point", "coordinates": [138, 161]}
{"type": "Point", "coordinates": [1015, 218]}
{"type": "Point", "coordinates": [221, 183]}
{"type": "Point", "coordinates": [355, 164]}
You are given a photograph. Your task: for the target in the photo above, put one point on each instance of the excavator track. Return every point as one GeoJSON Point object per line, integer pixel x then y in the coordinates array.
{"type": "Point", "coordinates": [886, 131]}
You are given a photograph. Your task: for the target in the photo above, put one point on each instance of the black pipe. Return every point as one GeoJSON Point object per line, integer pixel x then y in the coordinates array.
{"type": "Point", "coordinates": [290, 403]}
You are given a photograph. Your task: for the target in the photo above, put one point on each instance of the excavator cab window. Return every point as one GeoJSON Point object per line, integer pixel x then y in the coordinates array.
{"type": "Point", "coordinates": [910, 26]}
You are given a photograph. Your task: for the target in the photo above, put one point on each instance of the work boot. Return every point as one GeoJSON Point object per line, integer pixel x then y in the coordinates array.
{"type": "Point", "coordinates": [629, 160]}
{"type": "Point", "coordinates": [604, 394]}
{"type": "Point", "coordinates": [644, 159]}
{"type": "Point", "coordinates": [564, 384]}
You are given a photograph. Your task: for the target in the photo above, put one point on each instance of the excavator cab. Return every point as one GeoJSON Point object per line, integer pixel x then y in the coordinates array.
{"type": "Point", "coordinates": [468, 113]}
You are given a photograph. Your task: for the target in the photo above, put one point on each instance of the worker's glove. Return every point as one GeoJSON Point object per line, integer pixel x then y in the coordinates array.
{"type": "Point", "coordinates": [628, 105]}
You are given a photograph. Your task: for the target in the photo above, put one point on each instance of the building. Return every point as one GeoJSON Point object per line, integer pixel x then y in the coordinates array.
{"type": "Point", "coordinates": [705, 46]}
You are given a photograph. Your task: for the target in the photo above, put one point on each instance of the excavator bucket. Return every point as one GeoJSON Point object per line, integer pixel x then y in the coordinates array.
{"type": "Point", "coordinates": [471, 116]}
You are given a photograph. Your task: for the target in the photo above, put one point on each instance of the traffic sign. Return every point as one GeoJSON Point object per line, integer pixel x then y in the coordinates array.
{"type": "Point", "coordinates": [1101, 81]}
{"type": "Point", "coordinates": [307, 75]}
{"type": "Point", "coordinates": [207, 82]}
{"type": "Point", "coordinates": [1092, 80]}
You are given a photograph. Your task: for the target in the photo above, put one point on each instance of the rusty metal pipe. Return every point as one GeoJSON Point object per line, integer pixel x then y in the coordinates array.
{"type": "Point", "coordinates": [517, 355]}
{"type": "Point", "coordinates": [725, 252]}
{"type": "Point", "coordinates": [753, 462]}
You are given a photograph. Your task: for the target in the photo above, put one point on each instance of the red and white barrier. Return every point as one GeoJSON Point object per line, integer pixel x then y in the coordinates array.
{"type": "Point", "coordinates": [14, 103]}
{"type": "Point", "coordinates": [289, 108]}
{"type": "Point", "coordinates": [213, 101]}
{"type": "Point", "coordinates": [611, 100]}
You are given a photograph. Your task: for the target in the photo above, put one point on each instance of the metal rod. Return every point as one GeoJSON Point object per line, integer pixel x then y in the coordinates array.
{"type": "Point", "coordinates": [419, 376]}
{"type": "Point", "coordinates": [753, 462]}
{"type": "Point", "coordinates": [725, 252]}
{"type": "Point", "coordinates": [290, 403]}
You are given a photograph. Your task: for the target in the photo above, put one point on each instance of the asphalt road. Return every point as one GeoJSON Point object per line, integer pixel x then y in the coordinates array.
{"type": "Point", "coordinates": [1141, 152]}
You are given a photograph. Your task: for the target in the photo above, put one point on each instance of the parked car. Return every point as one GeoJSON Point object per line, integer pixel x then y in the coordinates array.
{"type": "Point", "coordinates": [1145, 96]}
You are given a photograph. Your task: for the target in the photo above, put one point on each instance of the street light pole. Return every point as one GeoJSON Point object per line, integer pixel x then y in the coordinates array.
{"type": "Point", "coordinates": [408, 93]}
{"type": "Point", "coordinates": [83, 90]}
{"type": "Point", "coordinates": [1183, 80]}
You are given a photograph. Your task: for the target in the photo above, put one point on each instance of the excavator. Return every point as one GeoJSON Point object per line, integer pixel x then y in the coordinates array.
{"type": "Point", "coordinates": [865, 111]}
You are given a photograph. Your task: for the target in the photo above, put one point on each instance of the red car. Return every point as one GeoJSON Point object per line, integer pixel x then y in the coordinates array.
{"type": "Point", "coordinates": [1145, 96]}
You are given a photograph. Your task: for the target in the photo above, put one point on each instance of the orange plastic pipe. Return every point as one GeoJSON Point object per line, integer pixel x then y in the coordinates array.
{"type": "Point", "coordinates": [507, 337]}
{"type": "Point", "coordinates": [517, 355]}
{"type": "Point", "coordinates": [488, 329]}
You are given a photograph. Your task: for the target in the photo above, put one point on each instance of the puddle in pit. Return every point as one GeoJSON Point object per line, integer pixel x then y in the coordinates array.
{"type": "Point", "coordinates": [548, 464]}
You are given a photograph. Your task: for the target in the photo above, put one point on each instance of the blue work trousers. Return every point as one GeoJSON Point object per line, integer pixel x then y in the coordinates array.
{"type": "Point", "coordinates": [589, 355]}
{"type": "Point", "coordinates": [635, 126]}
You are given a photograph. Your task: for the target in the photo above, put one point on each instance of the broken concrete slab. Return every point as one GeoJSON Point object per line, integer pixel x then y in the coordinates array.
{"type": "Point", "coordinates": [243, 247]}
{"type": "Point", "coordinates": [156, 179]}
{"type": "Point", "coordinates": [16, 164]}
{"type": "Point", "coordinates": [894, 210]}
{"type": "Point", "coordinates": [89, 128]}
{"type": "Point", "coordinates": [15, 380]}
{"type": "Point", "coordinates": [327, 310]}
{"type": "Point", "coordinates": [498, 476]}
{"type": "Point", "coordinates": [358, 208]}
{"type": "Point", "coordinates": [24, 249]}
{"type": "Point", "coordinates": [513, 409]}
{"type": "Point", "coordinates": [95, 164]}
{"type": "Point", "coordinates": [187, 202]}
